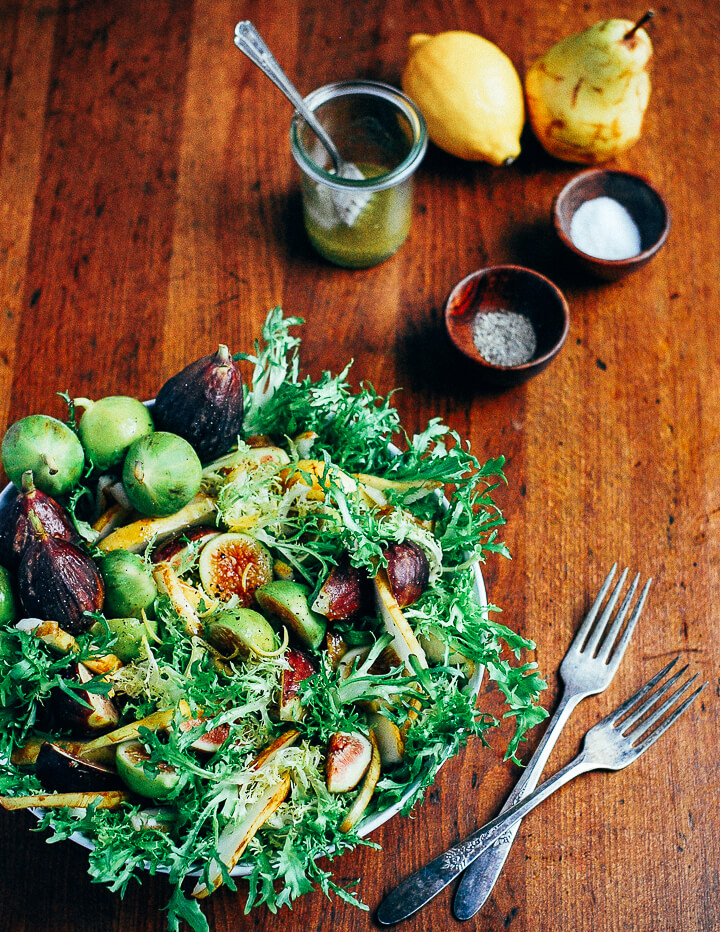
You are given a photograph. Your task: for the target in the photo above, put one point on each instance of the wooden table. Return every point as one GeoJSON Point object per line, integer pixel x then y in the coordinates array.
{"type": "Point", "coordinates": [149, 209]}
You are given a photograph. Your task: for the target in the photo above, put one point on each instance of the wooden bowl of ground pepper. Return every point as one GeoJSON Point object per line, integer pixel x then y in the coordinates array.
{"type": "Point", "coordinates": [511, 321]}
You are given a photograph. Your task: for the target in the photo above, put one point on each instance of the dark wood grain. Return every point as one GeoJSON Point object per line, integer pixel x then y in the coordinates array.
{"type": "Point", "coordinates": [149, 208]}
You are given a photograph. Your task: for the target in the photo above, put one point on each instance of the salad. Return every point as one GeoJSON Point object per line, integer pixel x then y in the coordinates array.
{"type": "Point", "coordinates": [237, 624]}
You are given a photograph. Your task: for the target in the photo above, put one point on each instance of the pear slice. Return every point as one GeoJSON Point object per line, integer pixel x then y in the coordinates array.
{"type": "Point", "coordinates": [169, 584]}
{"type": "Point", "coordinates": [285, 740]}
{"type": "Point", "coordinates": [50, 633]}
{"type": "Point", "coordinates": [362, 800]}
{"type": "Point", "coordinates": [154, 722]}
{"type": "Point", "coordinates": [104, 799]}
{"type": "Point", "coordinates": [396, 624]}
{"type": "Point", "coordinates": [136, 536]}
{"type": "Point", "coordinates": [388, 737]}
{"type": "Point", "coordinates": [234, 839]}
{"type": "Point", "coordinates": [348, 757]}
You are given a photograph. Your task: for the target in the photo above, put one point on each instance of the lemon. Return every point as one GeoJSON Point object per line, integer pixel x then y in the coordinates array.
{"type": "Point", "coordinates": [469, 93]}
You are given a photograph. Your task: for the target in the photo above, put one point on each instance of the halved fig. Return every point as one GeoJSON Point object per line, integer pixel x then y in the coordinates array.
{"type": "Point", "coordinates": [156, 782]}
{"type": "Point", "coordinates": [348, 757]}
{"type": "Point", "coordinates": [345, 594]}
{"type": "Point", "coordinates": [98, 714]}
{"type": "Point", "coordinates": [300, 668]}
{"type": "Point", "coordinates": [175, 550]}
{"type": "Point", "coordinates": [287, 602]}
{"type": "Point", "coordinates": [241, 632]}
{"type": "Point", "coordinates": [363, 798]}
{"type": "Point", "coordinates": [408, 571]}
{"type": "Point", "coordinates": [234, 564]}
{"type": "Point", "coordinates": [58, 769]}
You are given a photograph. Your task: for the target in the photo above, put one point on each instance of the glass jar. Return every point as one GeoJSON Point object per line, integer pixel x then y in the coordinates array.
{"type": "Point", "coordinates": [355, 222]}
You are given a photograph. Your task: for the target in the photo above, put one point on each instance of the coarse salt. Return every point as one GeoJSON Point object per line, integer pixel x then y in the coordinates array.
{"type": "Point", "coordinates": [504, 338]}
{"type": "Point", "coordinates": [603, 228]}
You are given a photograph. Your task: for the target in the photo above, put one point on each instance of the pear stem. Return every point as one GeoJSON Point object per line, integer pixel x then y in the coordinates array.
{"type": "Point", "coordinates": [645, 18]}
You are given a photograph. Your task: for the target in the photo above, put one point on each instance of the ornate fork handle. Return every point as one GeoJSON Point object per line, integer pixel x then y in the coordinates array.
{"type": "Point", "coordinates": [423, 885]}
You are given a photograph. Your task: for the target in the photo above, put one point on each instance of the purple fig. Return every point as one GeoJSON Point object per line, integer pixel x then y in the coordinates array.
{"type": "Point", "coordinates": [203, 404]}
{"type": "Point", "coordinates": [16, 531]}
{"type": "Point", "coordinates": [95, 713]}
{"type": "Point", "coordinates": [345, 594]}
{"type": "Point", "coordinates": [408, 571]}
{"type": "Point", "coordinates": [58, 581]}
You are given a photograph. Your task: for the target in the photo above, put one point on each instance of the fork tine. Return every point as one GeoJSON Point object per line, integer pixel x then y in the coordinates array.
{"type": "Point", "coordinates": [626, 706]}
{"type": "Point", "coordinates": [607, 639]}
{"type": "Point", "coordinates": [670, 720]}
{"type": "Point", "coordinates": [594, 638]}
{"type": "Point", "coordinates": [630, 627]}
{"type": "Point", "coordinates": [651, 700]}
{"type": "Point", "coordinates": [587, 624]}
{"type": "Point", "coordinates": [646, 725]}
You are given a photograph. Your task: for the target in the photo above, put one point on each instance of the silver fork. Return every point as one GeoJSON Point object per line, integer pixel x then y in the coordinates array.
{"type": "Point", "coordinates": [616, 741]}
{"type": "Point", "coordinates": [587, 669]}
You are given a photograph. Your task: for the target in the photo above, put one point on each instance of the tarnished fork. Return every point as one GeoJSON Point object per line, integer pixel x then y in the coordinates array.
{"type": "Point", "coordinates": [587, 669]}
{"type": "Point", "coordinates": [616, 741]}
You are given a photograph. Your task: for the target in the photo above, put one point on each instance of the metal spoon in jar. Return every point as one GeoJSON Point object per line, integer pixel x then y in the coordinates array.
{"type": "Point", "coordinates": [250, 42]}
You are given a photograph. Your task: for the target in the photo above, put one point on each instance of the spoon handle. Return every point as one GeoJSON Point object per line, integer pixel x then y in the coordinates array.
{"type": "Point", "coordinates": [251, 43]}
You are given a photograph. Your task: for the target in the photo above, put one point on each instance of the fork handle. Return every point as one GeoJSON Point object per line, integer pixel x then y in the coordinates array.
{"type": "Point", "coordinates": [418, 889]}
{"type": "Point", "coordinates": [479, 879]}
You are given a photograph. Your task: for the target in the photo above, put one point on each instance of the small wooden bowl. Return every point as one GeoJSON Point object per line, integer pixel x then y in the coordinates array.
{"type": "Point", "coordinates": [644, 204]}
{"type": "Point", "coordinates": [508, 288]}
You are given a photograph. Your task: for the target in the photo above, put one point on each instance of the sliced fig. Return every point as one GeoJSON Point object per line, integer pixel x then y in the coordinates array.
{"type": "Point", "coordinates": [300, 668]}
{"type": "Point", "coordinates": [287, 602]}
{"type": "Point", "coordinates": [335, 647]}
{"type": "Point", "coordinates": [59, 581]}
{"type": "Point", "coordinates": [204, 404]}
{"type": "Point", "coordinates": [408, 571]}
{"type": "Point", "coordinates": [234, 564]}
{"type": "Point", "coordinates": [17, 532]}
{"type": "Point", "coordinates": [345, 594]}
{"type": "Point", "coordinates": [348, 757]}
{"type": "Point", "coordinates": [175, 550]}
{"type": "Point", "coordinates": [133, 766]}
{"type": "Point", "coordinates": [210, 741]}
{"type": "Point", "coordinates": [94, 713]}
{"type": "Point", "coordinates": [58, 769]}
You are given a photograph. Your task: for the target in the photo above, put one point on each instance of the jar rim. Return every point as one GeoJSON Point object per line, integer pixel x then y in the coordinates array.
{"type": "Point", "coordinates": [372, 89]}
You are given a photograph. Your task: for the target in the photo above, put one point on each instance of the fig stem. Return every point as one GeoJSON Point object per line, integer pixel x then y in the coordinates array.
{"type": "Point", "coordinates": [27, 482]}
{"type": "Point", "coordinates": [223, 354]}
{"type": "Point", "coordinates": [645, 18]}
{"type": "Point", "coordinates": [83, 403]}
{"type": "Point", "coordinates": [37, 526]}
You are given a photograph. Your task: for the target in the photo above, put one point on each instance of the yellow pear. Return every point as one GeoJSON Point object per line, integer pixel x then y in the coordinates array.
{"type": "Point", "coordinates": [469, 93]}
{"type": "Point", "coordinates": [587, 95]}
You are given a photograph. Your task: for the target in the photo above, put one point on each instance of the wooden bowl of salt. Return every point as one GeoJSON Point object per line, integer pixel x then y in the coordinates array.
{"type": "Point", "coordinates": [613, 222]}
{"type": "Point", "coordinates": [509, 320]}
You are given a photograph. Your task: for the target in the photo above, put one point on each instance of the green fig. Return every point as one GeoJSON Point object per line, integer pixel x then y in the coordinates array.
{"type": "Point", "coordinates": [587, 95]}
{"type": "Point", "coordinates": [129, 584]}
{"type": "Point", "coordinates": [161, 474]}
{"type": "Point", "coordinates": [48, 448]}
{"type": "Point", "coordinates": [108, 427]}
